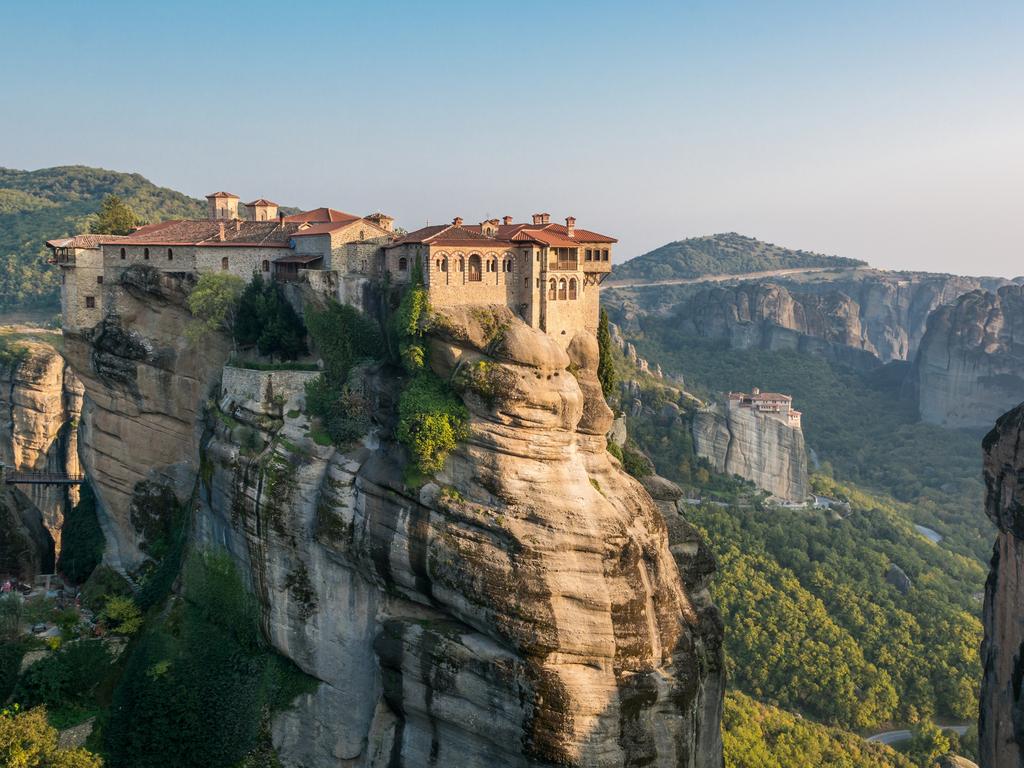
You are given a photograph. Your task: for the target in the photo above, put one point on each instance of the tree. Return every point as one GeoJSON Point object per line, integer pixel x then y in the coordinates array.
{"type": "Point", "coordinates": [928, 743]}
{"type": "Point", "coordinates": [605, 365]}
{"type": "Point", "coordinates": [214, 303]}
{"type": "Point", "coordinates": [27, 740]}
{"type": "Point", "coordinates": [115, 217]}
{"type": "Point", "coordinates": [82, 539]}
{"type": "Point", "coordinates": [267, 321]}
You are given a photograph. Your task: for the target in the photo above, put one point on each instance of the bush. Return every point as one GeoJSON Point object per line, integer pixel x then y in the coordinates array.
{"type": "Point", "coordinates": [82, 541]}
{"type": "Point", "coordinates": [122, 615]}
{"type": "Point", "coordinates": [431, 420]}
{"type": "Point", "coordinates": [636, 463]}
{"type": "Point", "coordinates": [27, 740]}
{"type": "Point", "coordinates": [102, 584]}
{"type": "Point", "coordinates": [67, 678]}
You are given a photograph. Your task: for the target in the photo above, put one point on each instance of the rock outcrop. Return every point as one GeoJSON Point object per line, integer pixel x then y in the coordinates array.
{"type": "Point", "coordinates": [26, 548]}
{"type": "Point", "coordinates": [525, 607]}
{"type": "Point", "coordinates": [141, 423]}
{"type": "Point", "coordinates": [40, 404]}
{"type": "Point", "coordinates": [760, 447]}
{"type": "Point", "coordinates": [970, 367]}
{"type": "Point", "coordinates": [1001, 718]}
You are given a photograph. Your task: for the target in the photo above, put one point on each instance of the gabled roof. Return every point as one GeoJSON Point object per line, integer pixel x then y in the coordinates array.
{"type": "Point", "coordinates": [261, 201]}
{"type": "Point", "coordinates": [84, 241]}
{"type": "Point", "coordinates": [321, 215]}
{"type": "Point", "coordinates": [555, 235]}
{"type": "Point", "coordinates": [222, 194]}
{"type": "Point", "coordinates": [445, 234]}
{"type": "Point", "coordinates": [270, 234]}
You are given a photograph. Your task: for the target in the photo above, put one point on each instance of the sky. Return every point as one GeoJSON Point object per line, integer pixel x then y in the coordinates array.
{"type": "Point", "coordinates": [887, 131]}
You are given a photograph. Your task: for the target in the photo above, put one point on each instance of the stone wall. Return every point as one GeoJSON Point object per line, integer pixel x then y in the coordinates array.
{"type": "Point", "coordinates": [242, 261]}
{"type": "Point", "coordinates": [249, 385]}
{"type": "Point", "coordinates": [80, 283]}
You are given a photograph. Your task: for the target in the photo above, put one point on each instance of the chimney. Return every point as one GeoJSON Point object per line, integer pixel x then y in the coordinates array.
{"type": "Point", "coordinates": [280, 219]}
{"type": "Point", "coordinates": [507, 220]}
{"type": "Point", "coordinates": [570, 226]}
{"type": "Point", "coordinates": [457, 221]}
{"type": "Point", "coordinates": [220, 232]}
{"type": "Point", "coordinates": [538, 218]}
{"type": "Point", "coordinates": [545, 218]}
{"type": "Point", "coordinates": [238, 225]}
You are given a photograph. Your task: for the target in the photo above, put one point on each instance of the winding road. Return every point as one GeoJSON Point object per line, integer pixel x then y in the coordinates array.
{"type": "Point", "coordinates": [895, 737]}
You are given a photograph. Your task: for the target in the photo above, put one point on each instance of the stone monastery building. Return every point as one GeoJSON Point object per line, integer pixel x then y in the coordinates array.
{"type": "Point", "coordinates": [548, 274]}
{"type": "Point", "coordinates": [772, 403]}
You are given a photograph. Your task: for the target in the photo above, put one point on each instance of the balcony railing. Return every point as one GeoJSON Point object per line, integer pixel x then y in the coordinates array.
{"type": "Point", "coordinates": [570, 265]}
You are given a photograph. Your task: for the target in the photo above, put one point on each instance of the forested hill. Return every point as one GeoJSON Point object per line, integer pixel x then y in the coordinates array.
{"type": "Point", "coordinates": [723, 254]}
{"type": "Point", "coordinates": [36, 206]}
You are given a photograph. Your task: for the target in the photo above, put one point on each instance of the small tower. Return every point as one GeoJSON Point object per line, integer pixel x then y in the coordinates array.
{"type": "Point", "coordinates": [261, 210]}
{"type": "Point", "coordinates": [222, 205]}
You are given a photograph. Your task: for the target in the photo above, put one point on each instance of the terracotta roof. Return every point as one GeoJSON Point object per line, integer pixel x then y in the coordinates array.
{"type": "Point", "coordinates": [321, 215]}
{"type": "Point", "coordinates": [261, 201]}
{"type": "Point", "coordinates": [268, 234]}
{"type": "Point", "coordinates": [83, 241]}
{"type": "Point", "coordinates": [222, 194]}
{"type": "Point", "coordinates": [770, 396]}
{"type": "Point", "coordinates": [298, 258]}
{"type": "Point", "coordinates": [549, 234]}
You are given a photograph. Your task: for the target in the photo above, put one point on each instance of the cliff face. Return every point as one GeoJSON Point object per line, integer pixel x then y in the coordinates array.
{"type": "Point", "coordinates": [524, 608]}
{"type": "Point", "coordinates": [759, 447]}
{"type": "Point", "coordinates": [141, 420]}
{"type": "Point", "coordinates": [1001, 718]}
{"type": "Point", "coordinates": [26, 548]}
{"type": "Point", "coordinates": [970, 367]}
{"type": "Point", "coordinates": [40, 403]}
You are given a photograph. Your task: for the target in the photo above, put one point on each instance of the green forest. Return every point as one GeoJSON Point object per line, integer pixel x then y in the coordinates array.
{"type": "Point", "coordinates": [36, 206]}
{"type": "Point", "coordinates": [723, 254]}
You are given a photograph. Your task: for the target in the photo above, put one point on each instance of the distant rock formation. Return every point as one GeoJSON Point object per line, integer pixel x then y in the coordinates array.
{"type": "Point", "coordinates": [761, 447]}
{"type": "Point", "coordinates": [40, 403]}
{"type": "Point", "coordinates": [970, 367]}
{"type": "Point", "coordinates": [1001, 717]}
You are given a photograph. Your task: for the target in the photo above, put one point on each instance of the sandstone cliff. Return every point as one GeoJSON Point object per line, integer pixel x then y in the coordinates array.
{"type": "Point", "coordinates": [970, 367]}
{"type": "Point", "coordinates": [759, 447]}
{"type": "Point", "coordinates": [40, 403]}
{"type": "Point", "coordinates": [141, 420]}
{"type": "Point", "coordinates": [524, 608]}
{"type": "Point", "coordinates": [1001, 718]}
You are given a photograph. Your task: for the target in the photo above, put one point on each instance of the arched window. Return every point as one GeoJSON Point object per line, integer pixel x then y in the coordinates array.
{"type": "Point", "coordinates": [438, 265]}
{"type": "Point", "coordinates": [474, 268]}
{"type": "Point", "coordinates": [561, 289]}
{"type": "Point", "coordinates": [263, 215]}
{"type": "Point", "coordinates": [403, 264]}
{"type": "Point", "coordinates": [572, 287]}
{"type": "Point", "coordinates": [170, 254]}
{"type": "Point", "coordinates": [552, 290]}
{"type": "Point", "coordinates": [123, 254]}
{"type": "Point", "coordinates": [362, 234]}
{"type": "Point", "coordinates": [462, 264]}
{"type": "Point", "coordinates": [444, 264]}
{"type": "Point", "coordinates": [145, 253]}
{"type": "Point", "coordinates": [266, 265]}
{"type": "Point", "coordinates": [224, 263]}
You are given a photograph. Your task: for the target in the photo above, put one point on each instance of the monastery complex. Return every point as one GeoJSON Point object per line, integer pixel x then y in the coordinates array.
{"type": "Point", "coordinates": [548, 274]}
{"type": "Point", "coordinates": [772, 403]}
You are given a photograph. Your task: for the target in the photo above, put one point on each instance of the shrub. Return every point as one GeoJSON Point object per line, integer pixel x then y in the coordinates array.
{"type": "Point", "coordinates": [431, 420]}
{"type": "Point", "coordinates": [636, 463]}
{"type": "Point", "coordinates": [343, 335]}
{"type": "Point", "coordinates": [101, 585]}
{"type": "Point", "coordinates": [615, 450]}
{"type": "Point", "coordinates": [82, 540]}
{"type": "Point", "coordinates": [67, 678]}
{"type": "Point", "coordinates": [27, 740]}
{"type": "Point", "coordinates": [122, 615]}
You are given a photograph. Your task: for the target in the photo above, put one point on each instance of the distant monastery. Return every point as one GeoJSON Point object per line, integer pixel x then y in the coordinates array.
{"type": "Point", "coordinates": [548, 274]}
{"type": "Point", "coordinates": [771, 403]}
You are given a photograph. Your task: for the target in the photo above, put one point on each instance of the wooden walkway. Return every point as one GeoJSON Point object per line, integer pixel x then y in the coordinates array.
{"type": "Point", "coordinates": [41, 478]}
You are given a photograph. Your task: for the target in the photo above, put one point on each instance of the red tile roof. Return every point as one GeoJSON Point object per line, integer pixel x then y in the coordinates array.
{"type": "Point", "coordinates": [83, 241]}
{"type": "Point", "coordinates": [269, 234]}
{"type": "Point", "coordinates": [507, 234]}
{"type": "Point", "coordinates": [261, 201]}
{"type": "Point", "coordinates": [222, 194]}
{"type": "Point", "coordinates": [321, 215]}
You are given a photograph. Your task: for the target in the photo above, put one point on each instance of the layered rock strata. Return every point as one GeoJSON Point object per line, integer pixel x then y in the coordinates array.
{"type": "Point", "coordinates": [522, 608]}
{"type": "Point", "coordinates": [970, 367]}
{"type": "Point", "coordinates": [40, 404]}
{"type": "Point", "coordinates": [1001, 718]}
{"type": "Point", "coordinates": [761, 447]}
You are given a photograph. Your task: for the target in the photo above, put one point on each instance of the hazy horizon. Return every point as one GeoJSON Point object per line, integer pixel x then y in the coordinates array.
{"type": "Point", "coordinates": [889, 134]}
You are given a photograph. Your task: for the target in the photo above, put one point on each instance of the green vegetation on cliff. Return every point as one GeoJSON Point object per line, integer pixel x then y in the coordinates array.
{"type": "Point", "coordinates": [36, 206]}
{"type": "Point", "coordinates": [81, 539]}
{"type": "Point", "coordinates": [723, 254]}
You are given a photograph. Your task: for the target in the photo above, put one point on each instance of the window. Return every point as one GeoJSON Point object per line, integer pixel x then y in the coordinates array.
{"type": "Point", "coordinates": [462, 264]}
{"type": "Point", "coordinates": [604, 255]}
{"type": "Point", "coordinates": [561, 289]}
{"type": "Point", "coordinates": [572, 288]}
{"type": "Point", "coordinates": [552, 290]}
{"type": "Point", "coordinates": [474, 268]}
{"type": "Point", "coordinates": [266, 265]}
{"type": "Point", "coordinates": [403, 264]}
{"type": "Point", "coordinates": [538, 283]}
{"type": "Point", "coordinates": [362, 265]}
{"type": "Point", "coordinates": [123, 254]}
{"type": "Point", "coordinates": [99, 279]}
{"type": "Point", "coordinates": [170, 254]}
{"type": "Point", "coordinates": [90, 302]}
{"type": "Point", "coordinates": [145, 253]}
{"type": "Point", "coordinates": [588, 255]}
{"type": "Point", "coordinates": [444, 264]}
{"type": "Point", "coordinates": [224, 263]}
{"type": "Point", "coordinates": [362, 234]}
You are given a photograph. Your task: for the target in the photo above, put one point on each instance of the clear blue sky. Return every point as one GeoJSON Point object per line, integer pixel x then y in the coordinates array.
{"type": "Point", "coordinates": [887, 131]}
